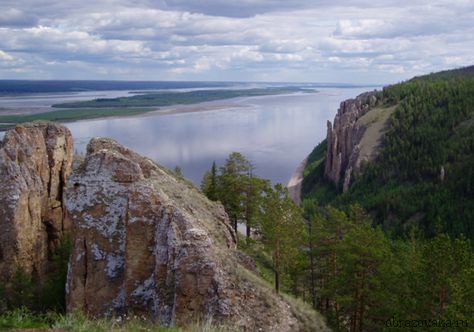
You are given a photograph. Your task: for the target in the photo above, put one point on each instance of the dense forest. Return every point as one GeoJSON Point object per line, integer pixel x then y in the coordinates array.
{"type": "Point", "coordinates": [395, 250]}
{"type": "Point", "coordinates": [423, 177]}
{"type": "Point", "coordinates": [360, 277]}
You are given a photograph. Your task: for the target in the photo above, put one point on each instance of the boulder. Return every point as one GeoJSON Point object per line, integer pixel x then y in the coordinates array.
{"type": "Point", "coordinates": [148, 243]}
{"type": "Point", "coordinates": [35, 162]}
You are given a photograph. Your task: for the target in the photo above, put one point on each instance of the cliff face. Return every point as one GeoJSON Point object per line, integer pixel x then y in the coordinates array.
{"type": "Point", "coordinates": [344, 136]}
{"type": "Point", "coordinates": [148, 243]}
{"type": "Point", "coordinates": [35, 161]}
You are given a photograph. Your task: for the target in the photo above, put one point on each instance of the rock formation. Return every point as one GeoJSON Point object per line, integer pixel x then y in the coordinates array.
{"type": "Point", "coordinates": [35, 161]}
{"type": "Point", "coordinates": [344, 136]}
{"type": "Point", "coordinates": [148, 243]}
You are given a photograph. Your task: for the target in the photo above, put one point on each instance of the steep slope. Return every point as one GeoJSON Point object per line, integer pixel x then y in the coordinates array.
{"type": "Point", "coordinates": [35, 161]}
{"type": "Point", "coordinates": [344, 136]}
{"type": "Point", "coordinates": [146, 242]}
{"type": "Point", "coordinates": [411, 164]}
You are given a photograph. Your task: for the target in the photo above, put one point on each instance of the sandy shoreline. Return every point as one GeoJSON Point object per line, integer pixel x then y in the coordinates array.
{"type": "Point", "coordinates": [296, 181]}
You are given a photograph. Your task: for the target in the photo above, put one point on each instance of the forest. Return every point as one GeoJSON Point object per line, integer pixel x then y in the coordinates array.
{"type": "Point", "coordinates": [397, 246]}
{"type": "Point", "coordinates": [360, 277]}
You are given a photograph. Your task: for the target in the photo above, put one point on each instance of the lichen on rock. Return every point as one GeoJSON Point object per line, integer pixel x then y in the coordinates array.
{"type": "Point", "coordinates": [148, 243]}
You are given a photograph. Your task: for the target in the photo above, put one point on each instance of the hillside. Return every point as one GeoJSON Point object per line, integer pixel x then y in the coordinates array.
{"type": "Point", "coordinates": [143, 242]}
{"type": "Point", "coordinates": [406, 155]}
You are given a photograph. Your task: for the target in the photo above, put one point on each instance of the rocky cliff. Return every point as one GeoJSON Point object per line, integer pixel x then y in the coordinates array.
{"type": "Point", "coordinates": [148, 243]}
{"type": "Point", "coordinates": [344, 135]}
{"type": "Point", "coordinates": [35, 161]}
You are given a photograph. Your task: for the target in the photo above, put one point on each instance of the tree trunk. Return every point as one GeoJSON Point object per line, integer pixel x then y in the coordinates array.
{"type": "Point", "coordinates": [311, 259]}
{"type": "Point", "coordinates": [277, 267]}
{"type": "Point", "coordinates": [235, 226]}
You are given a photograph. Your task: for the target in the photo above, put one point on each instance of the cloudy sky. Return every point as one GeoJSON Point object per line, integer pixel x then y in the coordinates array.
{"type": "Point", "coordinates": [359, 41]}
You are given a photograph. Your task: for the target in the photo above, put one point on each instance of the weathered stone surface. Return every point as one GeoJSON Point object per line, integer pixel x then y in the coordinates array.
{"type": "Point", "coordinates": [344, 135]}
{"type": "Point", "coordinates": [35, 161]}
{"type": "Point", "coordinates": [148, 243]}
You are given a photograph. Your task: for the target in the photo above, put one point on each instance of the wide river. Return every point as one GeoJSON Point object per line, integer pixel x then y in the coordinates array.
{"type": "Point", "coordinates": [275, 132]}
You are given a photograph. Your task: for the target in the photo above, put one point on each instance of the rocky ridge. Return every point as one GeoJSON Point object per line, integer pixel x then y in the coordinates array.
{"type": "Point", "coordinates": [146, 242]}
{"type": "Point", "coordinates": [35, 161]}
{"type": "Point", "coordinates": [344, 136]}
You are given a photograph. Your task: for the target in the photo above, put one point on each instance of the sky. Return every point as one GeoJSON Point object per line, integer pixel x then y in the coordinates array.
{"type": "Point", "coordinates": [359, 41]}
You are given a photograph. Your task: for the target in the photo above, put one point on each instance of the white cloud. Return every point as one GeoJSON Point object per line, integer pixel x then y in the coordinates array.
{"type": "Point", "coordinates": [6, 57]}
{"type": "Point", "coordinates": [248, 39]}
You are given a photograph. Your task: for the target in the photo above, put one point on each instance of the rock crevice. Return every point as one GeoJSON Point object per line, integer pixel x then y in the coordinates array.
{"type": "Point", "coordinates": [35, 161]}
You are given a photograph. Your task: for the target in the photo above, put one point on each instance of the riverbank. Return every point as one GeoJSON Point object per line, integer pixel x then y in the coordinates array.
{"type": "Point", "coordinates": [296, 180]}
{"type": "Point", "coordinates": [9, 118]}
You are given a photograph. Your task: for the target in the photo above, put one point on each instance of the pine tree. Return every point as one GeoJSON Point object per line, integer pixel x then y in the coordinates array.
{"type": "Point", "coordinates": [283, 230]}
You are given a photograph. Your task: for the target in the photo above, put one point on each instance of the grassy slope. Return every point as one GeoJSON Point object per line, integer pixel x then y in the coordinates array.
{"type": "Point", "coordinates": [432, 127]}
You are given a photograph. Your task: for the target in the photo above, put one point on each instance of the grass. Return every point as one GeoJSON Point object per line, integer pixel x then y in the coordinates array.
{"type": "Point", "coordinates": [255, 250]}
{"type": "Point", "coordinates": [22, 318]}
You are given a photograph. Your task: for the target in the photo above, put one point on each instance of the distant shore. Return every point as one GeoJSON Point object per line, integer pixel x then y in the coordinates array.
{"type": "Point", "coordinates": [9, 120]}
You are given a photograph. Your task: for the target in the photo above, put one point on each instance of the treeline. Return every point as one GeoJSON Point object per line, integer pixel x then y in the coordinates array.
{"type": "Point", "coordinates": [353, 273]}
{"type": "Point", "coordinates": [165, 98]}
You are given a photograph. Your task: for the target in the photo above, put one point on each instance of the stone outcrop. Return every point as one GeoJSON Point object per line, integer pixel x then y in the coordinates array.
{"type": "Point", "coordinates": [344, 136]}
{"type": "Point", "coordinates": [148, 243]}
{"type": "Point", "coordinates": [35, 161]}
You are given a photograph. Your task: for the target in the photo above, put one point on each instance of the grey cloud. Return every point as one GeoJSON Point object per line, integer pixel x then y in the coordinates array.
{"type": "Point", "coordinates": [255, 39]}
{"type": "Point", "coordinates": [12, 17]}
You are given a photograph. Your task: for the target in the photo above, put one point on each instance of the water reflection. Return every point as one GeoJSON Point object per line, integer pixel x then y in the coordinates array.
{"type": "Point", "coordinates": [275, 133]}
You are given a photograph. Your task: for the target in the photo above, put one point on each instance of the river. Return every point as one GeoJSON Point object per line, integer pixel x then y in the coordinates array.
{"type": "Point", "coordinates": [274, 132]}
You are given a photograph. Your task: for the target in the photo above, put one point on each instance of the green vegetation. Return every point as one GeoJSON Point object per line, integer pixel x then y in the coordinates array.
{"type": "Point", "coordinates": [314, 183]}
{"type": "Point", "coordinates": [424, 175]}
{"type": "Point", "coordinates": [364, 281]}
{"type": "Point", "coordinates": [175, 98]}
{"type": "Point", "coordinates": [24, 319]}
{"type": "Point", "coordinates": [64, 115]}
{"type": "Point", "coordinates": [269, 211]}
{"type": "Point", "coordinates": [408, 263]}
{"type": "Point", "coordinates": [358, 276]}
{"type": "Point", "coordinates": [39, 296]}
{"type": "Point", "coordinates": [135, 105]}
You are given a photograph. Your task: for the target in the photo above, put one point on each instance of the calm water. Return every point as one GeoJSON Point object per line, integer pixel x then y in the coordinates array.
{"type": "Point", "coordinates": [42, 102]}
{"type": "Point", "coordinates": [274, 132]}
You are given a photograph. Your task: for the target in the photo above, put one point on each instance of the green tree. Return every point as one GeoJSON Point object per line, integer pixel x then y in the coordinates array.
{"type": "Point", "coordinates": [231, 190]}
{"type": "Point", "coordinates": [254, 189]}
{"type": "Point", "coordinates": [209, 183]}
{"type": "Point", "coordinates": [283, 230]}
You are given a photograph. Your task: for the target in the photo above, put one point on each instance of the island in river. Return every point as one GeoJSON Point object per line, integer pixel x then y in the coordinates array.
{"type": "Point", "coordinates": [142, 102]}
